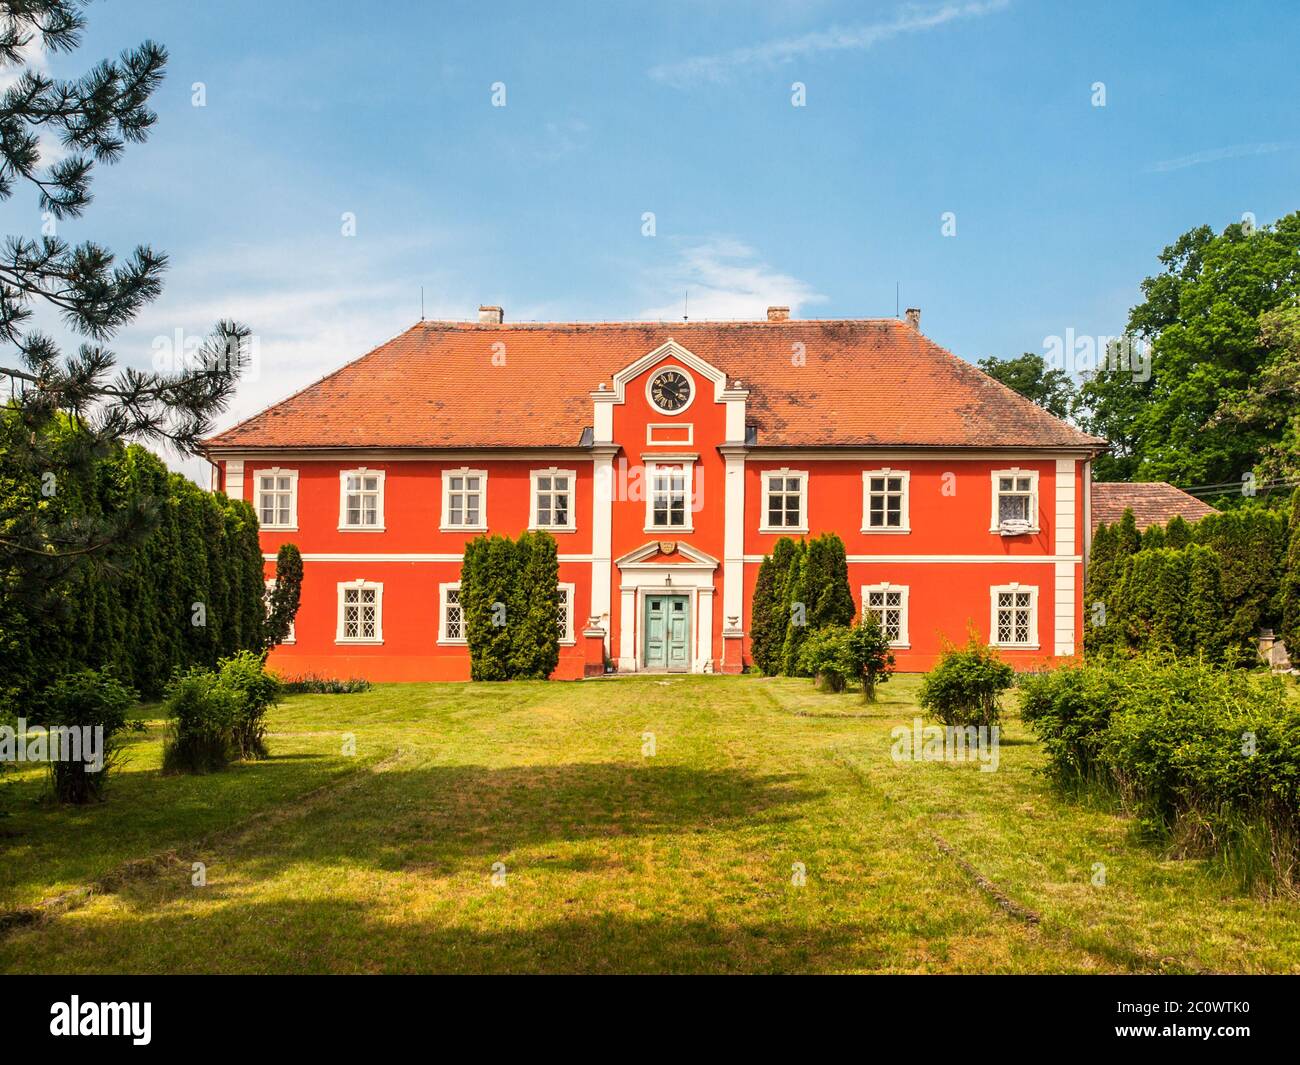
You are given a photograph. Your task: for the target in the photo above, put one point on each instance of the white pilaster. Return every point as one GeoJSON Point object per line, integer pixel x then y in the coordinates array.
{"type": "Point", "coordinates": [602, 532]}
{"type": "Point", "coordinates": [235, 478]}
{"type": "Point", "coordinates": [1064, 593]}
{"type": "Point", "coordinates": [733, 538]}
{"type": "Point", "coordinates": [627, 630]}
{"type": "Point", "coordinates": [704, 632]}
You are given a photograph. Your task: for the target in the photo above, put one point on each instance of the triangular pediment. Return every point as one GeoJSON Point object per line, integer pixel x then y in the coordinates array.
{"type": "Point", "coordinates": [670, 350]}
{"type": "Point", "coordinates": [652, 553]}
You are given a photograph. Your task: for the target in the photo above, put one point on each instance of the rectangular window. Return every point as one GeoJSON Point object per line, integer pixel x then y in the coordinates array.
{"type": "Point", "coordinates": [885, 501]}
{"type": "Point", "coordinates": [464, 499]}
{"type": "Point", "coordinates": [1015, 501]}
{"type": "Point", "coordinates": [553, 499]}
{"type": "Point", "coordinates": [360, 613]}
{"type": "Point", "coordinates": [785, 502]}
{"type": "Point", "coordinates": [889, 603]}
{"type": "Point", "coordinates": [451, 627]}
{"type": "Point", "coordinates": [564, 616]}
{"type": "Point", "coordinates": [669, 497]}
{"type": "Point", "coordinates": [362, 500]}
{"type": "Point", "coordinates": [277, 499]}
{"type": "Point", "coordinates": [1015, 622]}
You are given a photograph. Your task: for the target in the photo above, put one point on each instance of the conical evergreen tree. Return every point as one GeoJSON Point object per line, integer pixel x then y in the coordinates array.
{"type": "Point", "coordinates": [1289, 594]}
{"type": "Point", "coordinates": [1178, 533]}
{"type": "Point", "coordinates": [795, 611]}
{"type": "Point", "coordinates": [534, 632]}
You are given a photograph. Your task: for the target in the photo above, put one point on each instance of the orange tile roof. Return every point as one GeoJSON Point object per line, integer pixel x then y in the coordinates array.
{"type": "Point", "coordinates": [866, 382]}
{"type": "Point", "coordinates": [1152, 503]}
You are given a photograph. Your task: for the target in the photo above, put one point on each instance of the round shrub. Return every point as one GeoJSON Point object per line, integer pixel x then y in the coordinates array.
{"type": "Point", "coordinates": [964, 688]}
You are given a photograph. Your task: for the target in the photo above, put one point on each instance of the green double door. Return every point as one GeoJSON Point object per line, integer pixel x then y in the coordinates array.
{"type": "Point", "coordinates": [667, 631]}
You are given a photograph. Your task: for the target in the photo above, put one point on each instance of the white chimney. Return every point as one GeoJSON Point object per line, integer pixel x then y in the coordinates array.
{"type": "Point", "coordinates": [778, 314]}
{"type": "Point", "coordinates": [914, 318]}
{"type": "Point", "coordinates": [494, 315]}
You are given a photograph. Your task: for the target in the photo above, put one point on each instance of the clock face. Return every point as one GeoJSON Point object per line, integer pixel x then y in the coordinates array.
{"type": "Point", "coordinates": [670, 390]}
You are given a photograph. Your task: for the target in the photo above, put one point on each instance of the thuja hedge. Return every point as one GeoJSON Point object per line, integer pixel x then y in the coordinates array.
{"type": "Point", "coordinates": [186, 594]}
{"type": "Point", "coordinates": [1207, 759]}
{"type": "Point", "coordinates": [801, 587]}
{"type": "Point", "coordinates": [1203, 588]}
{"type": "Point", "coordinates": [510, 600]}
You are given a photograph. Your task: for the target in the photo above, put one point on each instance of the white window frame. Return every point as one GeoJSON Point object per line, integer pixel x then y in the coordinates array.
{"type": "Point", "coordinates": [293, 625]}
{"type": "Point", "coordinates": [443, 638]}
{"type": "Point", "coordinates": [904, 638]}
{"type": "Point", "coordinates": [994, 591]}
{"type": "Point", "coordinates": [765, 516]}
{"type": "Point", "coordinates": [464, 471]}
{"type": "Point", "coordinates": [687, 467]}
{"type": "Point", "coordinates": [905, 501]}
{"type": "Point", "coordinates": [552, 472]}
{"type": "Point", "coordinates": [361, 471]}
{"type": "Point", "coordinates": [567, 638]}
{"type": "Point", "coordinates": [277, 472]}
{"type": "Point", "coordinates": [994, 524]}
{"type": "Point", "coordinates": [358, 585]}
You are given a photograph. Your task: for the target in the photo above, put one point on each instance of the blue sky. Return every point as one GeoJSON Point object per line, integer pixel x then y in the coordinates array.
{"type": "Point", "coordinates": [682, 109]}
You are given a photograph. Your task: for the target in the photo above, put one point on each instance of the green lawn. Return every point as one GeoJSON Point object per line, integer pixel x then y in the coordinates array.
{"type": "Point", "coordinates": [613, 861]}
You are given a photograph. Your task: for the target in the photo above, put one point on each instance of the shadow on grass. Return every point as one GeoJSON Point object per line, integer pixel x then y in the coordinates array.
{"type": "Point", "coordinates": [446, 818]}
{"type": "Point", "coordinates": [349, 936]}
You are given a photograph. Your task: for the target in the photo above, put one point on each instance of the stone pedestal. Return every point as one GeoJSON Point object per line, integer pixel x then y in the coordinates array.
{"type": "Point", "coordinates": [593, 647]}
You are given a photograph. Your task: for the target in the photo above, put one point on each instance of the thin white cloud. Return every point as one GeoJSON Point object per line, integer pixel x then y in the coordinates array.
{"type": "Point", "coordinates": [308, 312]}
{"type": "Point", "coordinates": [909, 19]}
{"type": "Point", "coordinates": [723, 279]}
{"type": "Point", "coordinates": [1214, 155]}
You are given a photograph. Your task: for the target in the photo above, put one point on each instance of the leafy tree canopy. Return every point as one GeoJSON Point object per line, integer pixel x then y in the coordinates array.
{"type": "Point", "coordinates": [1204, 317]}
{"type": "Point", "coordinates": [1051, 389]}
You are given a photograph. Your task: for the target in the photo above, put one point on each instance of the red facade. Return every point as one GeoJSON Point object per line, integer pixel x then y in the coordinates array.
{"type": "Point", "coordinates": [663, 500]}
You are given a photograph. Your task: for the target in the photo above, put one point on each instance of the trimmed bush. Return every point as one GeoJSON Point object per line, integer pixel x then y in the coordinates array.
{"type": "Point", "coordinates": [203, 713]}
{"type": "Point", "coordinates": [837, 655]}
{"type": "Point", "coordinates": [256, 691]}
{"type": "Point", "coordinates": [966, 686]}
{"type": "Point", "coordinates": [534, 620]}
{"type": "Point", "coordinates": [1251, 544]}
{"type": "Point", "coordinates": [510, 599]}
{"type": "Point", "coordinates": [816, 593]}
{"type": "Point", "coordinates": [794, 611]}
{"type": "Point", "coordinates": [770, 608]}
{"type": "Point", "coordinates": [1206, 758]}
{"type": "Point", "coordinates": [73, 704]}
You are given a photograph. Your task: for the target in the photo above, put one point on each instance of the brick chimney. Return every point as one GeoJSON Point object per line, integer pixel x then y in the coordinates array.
{"type": "Point", "coordinates": [494, 315]}
{"type": "Point", "coordinates": [778, 314]}
{"type": "Point", "coordinates": [914, 318]}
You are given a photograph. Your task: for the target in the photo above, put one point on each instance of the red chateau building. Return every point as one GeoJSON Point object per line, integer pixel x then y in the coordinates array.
{"type": "Point", "coordinates": [666, 459]}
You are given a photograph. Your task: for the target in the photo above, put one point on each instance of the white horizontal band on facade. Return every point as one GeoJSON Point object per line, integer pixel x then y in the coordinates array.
{"type": "Point", "coordinates": [893, 559]}
{"type": "Point", "coordinates": [352, 556]}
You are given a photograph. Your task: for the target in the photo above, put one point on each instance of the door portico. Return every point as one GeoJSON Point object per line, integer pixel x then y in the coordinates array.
{"type": "Point", "coordinates": [657, 587]}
